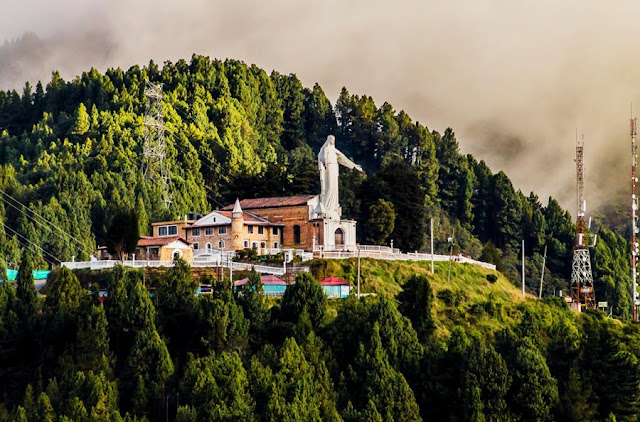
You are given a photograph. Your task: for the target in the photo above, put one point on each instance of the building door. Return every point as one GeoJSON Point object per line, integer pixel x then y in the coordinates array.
{"type": "Point", "coordinates": [339, 237]}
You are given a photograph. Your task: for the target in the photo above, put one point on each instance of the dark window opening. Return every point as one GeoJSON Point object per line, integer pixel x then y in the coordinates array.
{"type": "Point", "coordinates": [296, 234]}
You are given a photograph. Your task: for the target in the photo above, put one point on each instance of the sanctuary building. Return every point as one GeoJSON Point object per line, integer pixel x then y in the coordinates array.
{"type": "Point", "coordinates": [308, 222]}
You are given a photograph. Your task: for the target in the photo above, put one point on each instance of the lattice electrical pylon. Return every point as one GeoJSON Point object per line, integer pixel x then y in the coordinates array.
{"type": "Point", "coordinates": [583, 294]}
{"type": "Point", "coordinates": [154, 162]}
{"type": "Point", "coordinates": [634, 221]}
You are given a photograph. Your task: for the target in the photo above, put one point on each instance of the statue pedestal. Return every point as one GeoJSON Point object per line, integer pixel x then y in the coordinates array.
{"type": "Point", "coordinates": [339, 235]}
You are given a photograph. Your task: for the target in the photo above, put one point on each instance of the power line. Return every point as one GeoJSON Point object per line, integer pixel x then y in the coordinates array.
{"type": "Point", "coordinates": [37, 246]}
{"type": "Point", "coordinates": [49, 224]}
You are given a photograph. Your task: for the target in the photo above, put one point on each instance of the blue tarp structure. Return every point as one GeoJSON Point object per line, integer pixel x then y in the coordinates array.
{"type": "Point", "coordinates": [37, 274]}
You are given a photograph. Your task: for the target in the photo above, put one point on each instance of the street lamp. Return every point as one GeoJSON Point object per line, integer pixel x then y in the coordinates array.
{"type": "Point", "coordinates": [450, 240]}
{"type": "Point", "coordinates": [358, 246]}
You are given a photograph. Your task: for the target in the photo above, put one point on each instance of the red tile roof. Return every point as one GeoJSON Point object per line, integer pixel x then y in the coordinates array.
{"type": "Point", "coordinates": [249, 219]}
{"type": "Point", "coordinates": [333, 281]}
{"type": "Point", "coordinates": [266, 279]}
{"type": "Point", "coordinates": [158, 241]}
{"type": "Point", "coordinates": [279, 201]}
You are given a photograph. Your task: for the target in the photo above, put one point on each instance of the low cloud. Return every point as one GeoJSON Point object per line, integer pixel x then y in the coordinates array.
{"type": "Point", "coordinates": [514, 79]}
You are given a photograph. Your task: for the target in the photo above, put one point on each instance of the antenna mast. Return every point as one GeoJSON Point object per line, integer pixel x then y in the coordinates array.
{"type": "Point", "coordinates": [582, 292]}
{"type": "Point", "coordinates": [634, 223]}
{"type": "Point", "coordinates": [154, 163]}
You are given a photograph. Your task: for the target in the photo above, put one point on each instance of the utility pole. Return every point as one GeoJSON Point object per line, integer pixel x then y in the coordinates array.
{"type": "Point", "coordinates": [154, 163]}
{"type": "Point", "coordinates": [358, 271]}
{"type": "Point", "coordinates": [544, 260]}
{"type": "Point", "coordinates": [432, 267]}
{"type": "Point", "coordinates": [450, 240]}
{"type": "Point", "coordinates": [523, 268]}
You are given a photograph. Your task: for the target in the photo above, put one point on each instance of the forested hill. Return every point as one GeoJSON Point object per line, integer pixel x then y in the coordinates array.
{"type": "Point", "coordinates": [72, 151]}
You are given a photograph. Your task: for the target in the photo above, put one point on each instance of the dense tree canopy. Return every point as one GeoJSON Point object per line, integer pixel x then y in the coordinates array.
{"type": "Point", "coordinates": [70, 179]}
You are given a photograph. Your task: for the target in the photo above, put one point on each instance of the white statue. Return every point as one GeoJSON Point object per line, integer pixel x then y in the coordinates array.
{"type": "Point", "coordinates": [328, 160]}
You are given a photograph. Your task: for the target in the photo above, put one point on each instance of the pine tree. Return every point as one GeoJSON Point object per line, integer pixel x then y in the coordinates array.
{"type": "Point", "coordinates": [25, 288]}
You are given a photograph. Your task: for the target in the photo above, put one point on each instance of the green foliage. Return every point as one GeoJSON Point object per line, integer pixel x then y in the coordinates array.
{"type": "Point", "coordinates": [252, 300]}
{"type": "Point", "coordinates": [218, 388]}
{"type": "Point", "coordinates": [381, 222]}
{"type": "Point", "coordinates": [71, 152]}
{"type": "Point", "coordinates": [122, 235]}
{"type": "Point", "coordinates": [223, 325]}
{"type": "Point", "coordinates": [304, 297]}
{"type": "Point", "coordinates": [25, 288]}
{"type": "Point", "coordinates": [415, 301]}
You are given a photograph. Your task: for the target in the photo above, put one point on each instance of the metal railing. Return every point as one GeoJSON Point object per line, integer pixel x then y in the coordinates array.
{"type": "Point", "coordinates": [105, 264]}
{"type": "Point", "coordinates": [396, 255]}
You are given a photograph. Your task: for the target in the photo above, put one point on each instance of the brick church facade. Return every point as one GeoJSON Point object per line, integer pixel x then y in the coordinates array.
{"type": "Point", "coordinates": [294, 213]}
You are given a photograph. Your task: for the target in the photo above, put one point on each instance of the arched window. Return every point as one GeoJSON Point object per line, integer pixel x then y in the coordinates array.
{"type": "Point", "coordinates": [208, 246]}
{"type": "Point", "coordinates": [339, 237]}
{"type": "Point", "coordinates": [177, 253]}
{"type": "Point", "coordinates": [296, 234]}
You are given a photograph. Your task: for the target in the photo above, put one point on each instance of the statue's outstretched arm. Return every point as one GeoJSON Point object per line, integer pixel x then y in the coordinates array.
{"type": "Point", "coordinates": [343, 160]}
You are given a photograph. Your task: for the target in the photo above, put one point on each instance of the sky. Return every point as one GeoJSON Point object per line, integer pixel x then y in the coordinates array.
{"type": "Point", "coordinates": [515, 80]}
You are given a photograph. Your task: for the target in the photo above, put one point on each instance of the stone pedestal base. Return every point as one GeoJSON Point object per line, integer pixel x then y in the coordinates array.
{"type": "Point", "coordinates": [339, 235]}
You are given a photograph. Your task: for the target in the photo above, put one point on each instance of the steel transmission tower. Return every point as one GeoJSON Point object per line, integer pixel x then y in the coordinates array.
{"type": "Point", "coordinates": [582, 292]}
{"type": "Point", "coordinates": [154, 162]}
{"type": "Point", "coordinates": [634, 221]}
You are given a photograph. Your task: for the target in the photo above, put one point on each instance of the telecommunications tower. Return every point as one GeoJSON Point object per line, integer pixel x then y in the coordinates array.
{"type": "Point", "coordinates": [154, 163]}
{"type": "Point", "coordinates": [634, 221]}
{"type": "Point", "coordinates": [582, 292]}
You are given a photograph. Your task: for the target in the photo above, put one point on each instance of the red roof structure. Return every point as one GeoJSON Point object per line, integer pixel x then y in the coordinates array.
{"type": "Point", "coordinates": [251, 219]}
{"type": "Point", "coordinates": [274, 202]}
{"type": "Point", "coordinates": [267, 279]}
{"type": "Point", "coordinates": [158, 241]}
{"type": "Point", "coordinates": [334, 281]}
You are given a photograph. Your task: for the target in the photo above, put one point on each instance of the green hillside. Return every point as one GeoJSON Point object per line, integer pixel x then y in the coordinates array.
{"type": "Point", "coordinates": [422, 348]}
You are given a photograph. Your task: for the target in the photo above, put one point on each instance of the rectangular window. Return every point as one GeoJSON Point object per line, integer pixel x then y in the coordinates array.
{"type": "Point", "coordinates": [246, 243]}
{"type": "Point", "coordinates": [275, 230]}
{"type": "Point", "coordinates": [195, 232]}
{"type": "Point", "coordinates": [173, 230]}
{"type": "Point", "coordinates": [195, 245]}
{"type": "Point", "coordinates": [208, 231]}
{"type": "Point", "coordinates": [260, 230]}
{"type": "Point", "coordinates": [162, 231]}
{"type": "Point", "coordinates": [250, 229]}
{"type": "Point", "coordinates": [275, 245]}
{"type": "Point", "coordinates": [222, 230]}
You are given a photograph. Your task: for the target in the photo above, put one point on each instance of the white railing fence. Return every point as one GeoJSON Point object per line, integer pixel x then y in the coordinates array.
{"type": "Point", "coordinates": [100, 265]}
{"type": "Point", "coordinates": [386, 253]}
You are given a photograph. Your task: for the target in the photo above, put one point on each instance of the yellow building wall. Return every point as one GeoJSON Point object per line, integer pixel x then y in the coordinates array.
{"type": "Point", "coordinates": [231, 240]}
{"type": "Point", "coordinates": [166, 254]}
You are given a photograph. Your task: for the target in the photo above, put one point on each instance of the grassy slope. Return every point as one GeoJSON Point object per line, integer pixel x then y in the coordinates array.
{"type": "Point", "coordinates": [468, 299]}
